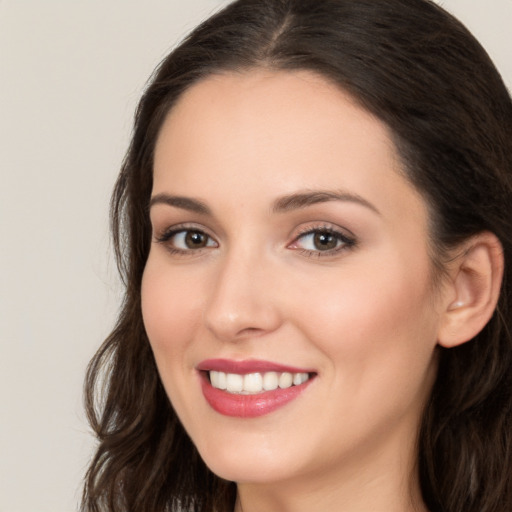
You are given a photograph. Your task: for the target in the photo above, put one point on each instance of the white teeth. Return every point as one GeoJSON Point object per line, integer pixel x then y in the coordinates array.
{"type": "Point", "coordinates": [222, 380]}
{"type": "Point", "coordinates": [253, 383]}
{"type": "Point", "coordinates": [285, 380]}
{"type": "Point", "coordinates": [234, 382]}
{"type": "Point", "coordinates": [218, 379]}
{"type": "Point", "coordinates": [299, 378]}
{"type": "Point", "coordinates": [270, 381]}
{"type": "Point", "coordinates": [214, 379]}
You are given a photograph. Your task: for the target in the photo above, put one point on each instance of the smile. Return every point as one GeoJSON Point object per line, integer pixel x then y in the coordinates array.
{"type": "Point", "coordinates": [253, 383]}
{"type": "Point", "coordinates": [248, 389]}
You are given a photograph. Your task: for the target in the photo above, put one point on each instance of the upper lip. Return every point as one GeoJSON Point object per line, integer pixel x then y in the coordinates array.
{"type": "Point", "coordinates": [247, 366]}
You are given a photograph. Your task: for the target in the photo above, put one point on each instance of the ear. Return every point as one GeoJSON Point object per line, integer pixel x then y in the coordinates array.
{"type": "Point", "coordinates": [473, 289]}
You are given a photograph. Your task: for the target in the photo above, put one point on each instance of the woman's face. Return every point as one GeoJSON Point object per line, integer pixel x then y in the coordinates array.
{"type": "Point", "coordinates": [290, 257]}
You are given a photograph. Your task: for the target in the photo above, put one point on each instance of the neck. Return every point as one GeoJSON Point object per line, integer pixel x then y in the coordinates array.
{"type": "Point", "coordinates": [345, 497]}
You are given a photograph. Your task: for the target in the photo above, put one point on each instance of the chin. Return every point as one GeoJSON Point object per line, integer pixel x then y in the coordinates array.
{"type": "Point", "coordinates": [256, 468]}
{"type": "Point", "coordinates": [248, 473]}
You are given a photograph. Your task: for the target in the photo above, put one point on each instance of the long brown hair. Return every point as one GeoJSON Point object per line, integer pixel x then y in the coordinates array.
{"type": "Point", "coordinates": [421, 72]}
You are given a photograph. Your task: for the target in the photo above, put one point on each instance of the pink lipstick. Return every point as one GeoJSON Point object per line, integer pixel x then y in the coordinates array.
{"type": "Point", "coordinates": [251, 388]}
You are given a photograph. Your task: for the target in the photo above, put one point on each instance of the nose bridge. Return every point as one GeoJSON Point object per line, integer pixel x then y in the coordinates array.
{"type": "Point", "coordinates": [240, 302]}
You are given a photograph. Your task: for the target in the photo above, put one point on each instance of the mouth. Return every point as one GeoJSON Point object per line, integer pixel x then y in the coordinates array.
{"type": "Point", "coordinates": [247, 389]}
{"type": "Point", "coordinates": [254, 383]}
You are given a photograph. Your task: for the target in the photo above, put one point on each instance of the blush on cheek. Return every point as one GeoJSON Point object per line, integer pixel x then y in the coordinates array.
{"type": "Point", "coordinates": [156, 310]}
{"type": "Point", "coordinates": [169, 308]}
{"type": "Point", "coordinates": [358, 314]}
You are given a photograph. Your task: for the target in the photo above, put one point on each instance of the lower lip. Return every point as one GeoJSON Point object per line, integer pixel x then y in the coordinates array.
{"type": "Point", "coordinates": [248, 406]}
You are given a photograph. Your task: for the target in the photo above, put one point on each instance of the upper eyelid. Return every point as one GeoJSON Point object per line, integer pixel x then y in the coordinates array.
{"type": "Point", "coordinates": [323, 226]}
{"type": "Point", "coordinates": [167, 233]}
{"type": "Point", "coordinates": [184, 226]}
{"type": "Point", "coordinates": [162, 224]}
{"type": "Point", "coordinates": [298, 232]}
{"type": "Point", "coordinates": [345, 236]}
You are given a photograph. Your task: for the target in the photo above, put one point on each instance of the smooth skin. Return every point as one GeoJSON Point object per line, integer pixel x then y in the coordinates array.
{"type": "Point", "coordinates": [297, 239]}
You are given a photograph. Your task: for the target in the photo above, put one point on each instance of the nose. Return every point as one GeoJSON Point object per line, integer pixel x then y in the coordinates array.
{"type": "Point", "coordinates": [242, 302]}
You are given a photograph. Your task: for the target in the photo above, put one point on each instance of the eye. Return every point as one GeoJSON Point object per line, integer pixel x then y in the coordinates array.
{"type": "Point", "coordinates": [186, 240]}
{"type": "Point", "coordinates": [189, 239]}
{"type": "Point", "coordinates": [322, 241]}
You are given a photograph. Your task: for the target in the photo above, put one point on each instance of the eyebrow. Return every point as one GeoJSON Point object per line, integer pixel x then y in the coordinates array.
{"type": "Point", "coordinates": [185, 203]}
{"type": "Point", "coordinates": [283, 204]}
{"type": "Point", "coordinates": [309, 198]}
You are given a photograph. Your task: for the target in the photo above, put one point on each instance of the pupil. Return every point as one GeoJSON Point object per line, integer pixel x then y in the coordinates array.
{"type": "Point", "coordinates": [195, 239]}
{"type": "Point", "coordinates": [325, 241]}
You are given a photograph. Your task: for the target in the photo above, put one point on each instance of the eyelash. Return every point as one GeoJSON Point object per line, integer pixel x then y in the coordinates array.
{"type": "Point", "coordinates": [344, 241]}
{"type": "Point", "coordinates": [168, 234]}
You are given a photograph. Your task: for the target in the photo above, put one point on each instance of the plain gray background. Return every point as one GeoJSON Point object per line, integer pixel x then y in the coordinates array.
{"type": "Point", "coordinates": [70, 77]}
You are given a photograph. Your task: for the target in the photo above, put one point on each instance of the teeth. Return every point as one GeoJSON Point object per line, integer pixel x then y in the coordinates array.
{"type": "Point", "coordinates": [270, 381]}
{"type": "Point", "coordinates": [299, 378]}
{"type": "Point", "coordinates": [218, 379]}
{"type": "Point", "coordinates": [285, 380]}
{"type": "Point", "coordinates": [222, 380]}
{"type": "Point", "coordinates": [234, 383]}
{"type": "Point", "coordinates": [253, 383]}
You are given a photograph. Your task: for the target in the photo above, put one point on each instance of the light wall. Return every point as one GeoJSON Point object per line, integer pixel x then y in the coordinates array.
{"type": "Point", "coordinates": [70, 76]}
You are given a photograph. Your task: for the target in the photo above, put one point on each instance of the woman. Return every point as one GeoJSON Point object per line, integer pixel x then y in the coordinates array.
{"type": "Point", "coordinates": [312, 221]}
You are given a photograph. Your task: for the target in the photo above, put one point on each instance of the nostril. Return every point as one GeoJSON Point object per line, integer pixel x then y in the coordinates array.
{"type": "Point", "coordinates": [251, 331]}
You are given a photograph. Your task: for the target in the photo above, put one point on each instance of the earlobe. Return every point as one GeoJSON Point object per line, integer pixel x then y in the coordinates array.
{"type": "Point", "coordinates": [475, 283]}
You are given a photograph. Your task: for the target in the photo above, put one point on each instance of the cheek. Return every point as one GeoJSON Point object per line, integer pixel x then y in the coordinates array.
{"type": "Point", "coordinates": [378, 342]}
{"type": "Point", "coordinates": [372, 325]}
{"type": "Point", "coordinates": [169, 311]}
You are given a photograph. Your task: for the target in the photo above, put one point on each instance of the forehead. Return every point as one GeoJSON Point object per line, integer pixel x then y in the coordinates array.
{"type": "Point", "coordinates": [284, 105]}
{"type": "Point", "coordinates": [266, 132]}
